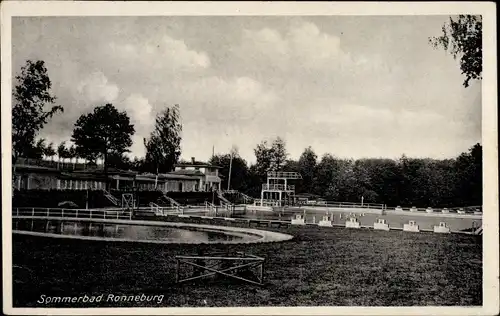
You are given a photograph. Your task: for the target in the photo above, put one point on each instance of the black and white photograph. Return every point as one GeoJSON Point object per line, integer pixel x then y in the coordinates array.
{"type": "Point", "coordinates": [249, 158]}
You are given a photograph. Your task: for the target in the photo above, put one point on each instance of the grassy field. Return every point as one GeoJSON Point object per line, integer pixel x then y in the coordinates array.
{"type": "Point", "coordinates": [320, 266]}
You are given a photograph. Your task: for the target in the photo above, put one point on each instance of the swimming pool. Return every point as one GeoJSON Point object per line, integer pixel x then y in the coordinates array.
{"type": "Point", "coordinates": [141, 231]}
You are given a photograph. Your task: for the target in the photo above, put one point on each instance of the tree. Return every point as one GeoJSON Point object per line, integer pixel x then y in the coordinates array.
{"type": "Point", "coordinates": [103, 132]}
{"type": "Point", "coordinates": [138, 164]}
{"type": "Point", "coordinates": [307, 167]}
{"type": "Point", "coordinates": [163, 148]}
{"type": "Point", "coordinates": [239, 170]}
{"type": "Point", "coordinates": [326, 177]}
{"type": "Point", "coordinates": [72, 154]}
{"type": "Point", "coordinates": [462, 37]}
{"type": "Point", "coordinates": [278, 154]}
{"type": "Point", "coordinates": [270, 157]}
{"type": "Point", "coordinates": [119, 161]}
{"type": "Point", "coordinates": [49, 151]}
{"type": "Point", "coordinates": [263, 159]}
{"type": "Point", "coordinates": [61, 152]}
{"type": "Point", "coordinates": [64, 152]}
{"type": "Point", "coordinates": [469, 176]}
{"type": "Point", "coordinates": [31, 95]}
{"type": "Point", "coordinates": [36, 151]}
{"type": "Point", "coordinates": [254, 181]}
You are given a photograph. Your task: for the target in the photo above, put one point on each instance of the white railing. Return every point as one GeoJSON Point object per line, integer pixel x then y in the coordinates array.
{"type": "Point", "coordinates": [157, 210]}
{"type": "Point", "coordinates": [265, 202]}
{"type": "Point", "coordinates": [335, 204]}
{"type": "Point", "coordinates": [476, 210]}
{"type": "Point", "coordinates": [170, 200]}
{"type": "Point", "coordinates": [467, 210]}
{"type": "Point", "coordinates": [246, 199]}
{"type": "Point", "coordinates": [209, 206]}
{"type": "Point", "coordinates": [110, 197]}
{"type": "Point", "coordinates": [224, 201]}
{"type": "Point", "coordinates": [164, 211]}
{"type": "Point", "coordinates": [277, 187]}
{"type": "Point", "coordinates": [284, 175]}
{"type": "Point", "coordinates": [71, 213]}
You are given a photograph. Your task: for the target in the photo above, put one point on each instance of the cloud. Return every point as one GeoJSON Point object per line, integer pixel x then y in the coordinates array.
{"type": "Point", "coordinates": [302, 46]}
{"type": "Point", "coordinates": [142, 116]}
{"type": "Point", "coordinates": [140, 111]}
{"type": "Point", "coordinates": [221, 112]}
{"type": "Point", "coordinates": [313, 47]}
{"type": "Point", "coordinates": [166, 54]}
{"type": "Point", "coordinates": [96, 88]}
{"type": "Point", "coordinates": [353, 130]}
{"type": "Point", "coordinates": [216, 98]}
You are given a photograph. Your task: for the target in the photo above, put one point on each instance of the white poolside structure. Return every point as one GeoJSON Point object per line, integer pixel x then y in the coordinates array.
{"type": "Point", "coordinates": [277, 191]}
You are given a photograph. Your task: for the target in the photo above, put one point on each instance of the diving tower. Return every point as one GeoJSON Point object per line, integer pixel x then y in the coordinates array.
{"type": "Point", "coordinates": [276, 191]}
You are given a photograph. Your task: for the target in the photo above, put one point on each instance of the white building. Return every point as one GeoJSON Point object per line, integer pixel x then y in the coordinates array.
{"type": "Point", "coordinates": [207, 174]}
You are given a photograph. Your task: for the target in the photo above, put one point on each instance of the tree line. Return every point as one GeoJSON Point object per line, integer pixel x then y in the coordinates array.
{"type": "Point", "coordinates": [404, 181]}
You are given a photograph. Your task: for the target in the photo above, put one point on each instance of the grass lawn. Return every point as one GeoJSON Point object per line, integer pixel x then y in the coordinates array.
{"type": "Point", "coordinates": [319, 267]}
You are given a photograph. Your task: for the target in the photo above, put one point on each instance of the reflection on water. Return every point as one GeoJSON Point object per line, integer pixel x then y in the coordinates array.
{"type": "Point", "coordinates": [133, 232]}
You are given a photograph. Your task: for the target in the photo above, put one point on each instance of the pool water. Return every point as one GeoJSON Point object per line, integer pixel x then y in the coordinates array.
{"type": "Point", "coordinates": [135, 232]}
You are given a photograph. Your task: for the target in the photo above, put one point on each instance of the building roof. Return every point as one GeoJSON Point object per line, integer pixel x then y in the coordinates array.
{"type": "Point", "coordinates": [82, 176]}
{"type": "Point", "coordinates": [196, 164]}
{"type": "Point", "coordinates": [36, 168]}
{"type": "Point", "coordinates": [185, 172]}
{"type": "Point", "coordinates": [51, 164]}
{"type": "Point", "coordinates": [96, 172]}
{"type": "Point", "coordinates": [164, 176]}
{"type": "Point", "coordinates": [111, 171]}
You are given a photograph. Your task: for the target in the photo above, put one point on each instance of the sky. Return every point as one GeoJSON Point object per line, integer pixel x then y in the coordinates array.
{"type": "Point", "coordinates": [352, 86]}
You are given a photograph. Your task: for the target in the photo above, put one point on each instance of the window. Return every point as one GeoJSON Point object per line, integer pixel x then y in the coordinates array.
{"type": "Point", "coordinates": [196, 168]}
